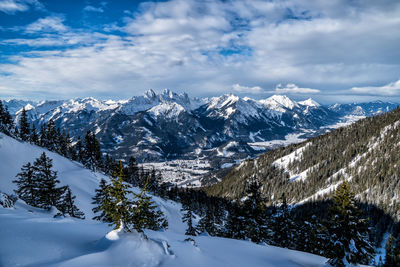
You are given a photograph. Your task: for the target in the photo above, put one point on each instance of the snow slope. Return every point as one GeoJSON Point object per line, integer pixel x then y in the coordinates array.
{"type": "Point", "coordinates": [32, 237]}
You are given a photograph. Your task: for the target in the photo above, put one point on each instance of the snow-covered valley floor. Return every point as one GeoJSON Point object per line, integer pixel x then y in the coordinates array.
{"type": "Point", "coordinates": [32, 237]}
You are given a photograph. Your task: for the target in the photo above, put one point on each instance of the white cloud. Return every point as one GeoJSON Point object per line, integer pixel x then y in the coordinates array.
{"type": "Point", "coordinates": [291, 88]}
{"type": "Point", "coordinates": [203, 46]}
{"type": "Point", "coordinates": [13, 6]}
{"type": "Point", "coordinates": [93, 9]}
{"type": "Point", "coordinates": [245, 89]}
{"type": "Point", "coordinates": [391, 89]}
{"type": "Point", "coordinates": [47, 24]}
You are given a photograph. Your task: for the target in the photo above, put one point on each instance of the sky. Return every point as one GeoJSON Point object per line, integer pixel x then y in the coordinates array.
{"type": "Point", "coordinates": [332, 51]}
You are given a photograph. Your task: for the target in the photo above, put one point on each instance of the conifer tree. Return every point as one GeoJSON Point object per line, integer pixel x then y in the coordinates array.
{"type": "Point", "coordinates": [66, 204]}
{"type": "Point", "coordinates": [49, 194]}
{"type": "Point", "coordinates": [79, 150]}
{"type": "Point", "coordinates": [255, 217]}
{"type": "Point", "coordinates": [101, 194]}
{"type": "Point", "coordinates": [131, 171]}
{"type": "Point", "coordinates": [207, 223]}
{"type": "Point", "coordinates": [188, 217]}
{"type": "Point", "coordinates": [283, 227]}
{"type": "Point", "coordinates": [52, 136]}
{"type": "Point", "coordinates": [28, 188]}
{"type": "Point", "coordinates": [236, 223]}
{"type": "Point", "coordinates": [24, 128]}
{"type": "Point", "coordinates": [392, 257]}
{"type": "Point", "coordinates": [6, 122]}
{"type": "Point", "coordinates": [92, 151]}
{"type": "Point", "coordinates": [34, 138]}
{"type": "Point", "coordinates": [116, 205]}
{"type": "Point", "coordinates": [348, 230]}
{"type": "Point", "coordinates": [145, 213]}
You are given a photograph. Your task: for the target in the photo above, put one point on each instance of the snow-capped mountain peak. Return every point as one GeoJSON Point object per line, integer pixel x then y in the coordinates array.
{"type": "Point", "coordinates": [279, 103]}
{"type": "Point", "coordinates": [309, 102]}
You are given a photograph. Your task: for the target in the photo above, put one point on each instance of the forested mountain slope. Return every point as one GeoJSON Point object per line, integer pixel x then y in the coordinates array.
{"type": "Point", "coordinates": [366, 154]}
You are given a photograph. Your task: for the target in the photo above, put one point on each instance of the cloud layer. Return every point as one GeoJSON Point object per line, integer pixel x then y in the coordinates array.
{"type": "Point", "coordinates": [205, 47]}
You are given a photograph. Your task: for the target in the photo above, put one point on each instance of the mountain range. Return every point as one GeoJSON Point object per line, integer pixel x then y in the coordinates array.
{"type": "Point", "coordinates": [166, 126]}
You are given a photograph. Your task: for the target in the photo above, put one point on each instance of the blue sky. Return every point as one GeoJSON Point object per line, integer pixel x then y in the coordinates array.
{"type": "Point", "coordinates": [333, 51]}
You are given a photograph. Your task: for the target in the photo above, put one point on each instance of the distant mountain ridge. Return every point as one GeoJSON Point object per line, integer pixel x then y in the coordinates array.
{"type": "Point", "coordinates": [158, 127]}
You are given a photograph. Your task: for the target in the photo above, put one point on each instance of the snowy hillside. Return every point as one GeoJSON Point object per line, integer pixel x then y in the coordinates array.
{"type": "Point", "coordinates": [32, 237]}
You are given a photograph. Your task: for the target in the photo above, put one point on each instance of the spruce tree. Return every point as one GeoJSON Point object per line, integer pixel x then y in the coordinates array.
{"type": "Point", "coordinates": [283, 226]}
{"type": "Point", "coordinates": [236, 223]}
{"type": "Point", "coordinates": [188, 217]}
{"type": "Point", "coordinates": [92, 151]}
{"type": "Point", "coordinates": [34, 138]}
{"type": "Point", "coordinates": [80, 154]}
{"type": "Point", "coordinates": [348, 230]}
{"type": "Point", "coordinates": [116, 205]}
{"type": "Point", "coordinates": [101, 194]}
{"type": "Point", "coordinates": [6, 122]}
{"type": "Point", "coordinates": [66, 204]}
{"type": "Point", "coordinates": [207, 223]}
{"type": "Point", "coordinates": [24, 128]}
{"type": "Point", "coordinates": [131, 170]}
{"type": "Point", "coordinates": [49, 194]}
{"type": "Point", "coordinates": [27, 185]}
{"type": "Point", "coordinates": [255, 214]}
{"type": "Point", "coordinates": [145, 213]}
{"type": "Point", "coordinates": [392, 257]}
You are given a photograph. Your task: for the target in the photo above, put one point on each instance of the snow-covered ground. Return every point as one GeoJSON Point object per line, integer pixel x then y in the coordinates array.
{"type": "Point", "coordinates": [32, 237]}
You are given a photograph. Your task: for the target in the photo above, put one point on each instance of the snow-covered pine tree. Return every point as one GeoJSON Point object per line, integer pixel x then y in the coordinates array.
{"type": "Point", "coordinates": [101, 194]}
{"type": "Point", "coordinates": [66, 204]}
{"type": "Point", "coordinates": [145, 214]}
{"type": "Point", "coordinates": [348, 230]}
{"type": "Point", "coordinates": [27, 185]}
{"type": "Point", "coordinates": [49, 194]}
{"type": "Point", "coordinates": [24, 127]}
{"type": "Point", "coordinates": [188, 217]}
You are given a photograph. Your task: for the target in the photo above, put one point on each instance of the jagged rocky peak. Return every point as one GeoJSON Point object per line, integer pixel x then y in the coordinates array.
{"type": "Point", "coordinates": [150, 94]}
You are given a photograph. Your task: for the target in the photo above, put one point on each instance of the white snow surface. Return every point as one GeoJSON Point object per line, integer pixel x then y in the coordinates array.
{"type": "Point", "coordinates": [32, 237]}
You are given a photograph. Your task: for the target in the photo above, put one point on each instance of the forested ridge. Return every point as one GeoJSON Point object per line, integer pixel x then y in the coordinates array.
{"type": "Point", "coordinates": [366, 154]}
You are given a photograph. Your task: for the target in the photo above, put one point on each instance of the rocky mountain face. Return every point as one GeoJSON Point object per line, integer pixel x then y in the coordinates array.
{"type": "Point", "coordinates": [159, 127]}
{"type": "Point", "coordinates": [365, 154]}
